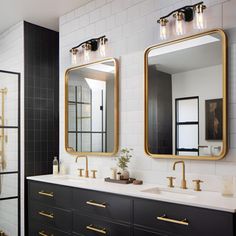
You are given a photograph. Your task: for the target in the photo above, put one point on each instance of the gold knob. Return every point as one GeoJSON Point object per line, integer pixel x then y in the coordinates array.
{"type": "Point", "coordinates": [197, 184]}
{"type": "Point", "coordinates": [94, 173]}
{"type": "Point", "coordinates": [80, 172]}
{"type": "Point", "coordinates": [171, 181]}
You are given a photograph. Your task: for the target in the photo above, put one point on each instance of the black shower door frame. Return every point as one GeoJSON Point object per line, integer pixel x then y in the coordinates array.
{"type": "Point", "coordinates": [18, 172]}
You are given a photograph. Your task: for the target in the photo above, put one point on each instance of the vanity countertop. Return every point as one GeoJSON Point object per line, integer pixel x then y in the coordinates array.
{"type": "Point", "coordinates": [204, 199]}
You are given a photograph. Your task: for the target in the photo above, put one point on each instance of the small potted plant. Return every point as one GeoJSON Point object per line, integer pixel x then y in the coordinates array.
{"type": "Point", "coordinates": [123, 160]}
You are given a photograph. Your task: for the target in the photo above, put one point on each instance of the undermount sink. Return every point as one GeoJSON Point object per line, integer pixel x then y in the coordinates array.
{"type": "Point", "coordinates": [69, 178]}
{"type": "Point", "coordinates": [168, 192]}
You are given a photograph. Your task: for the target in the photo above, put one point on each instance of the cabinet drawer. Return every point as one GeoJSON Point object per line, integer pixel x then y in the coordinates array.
{"type": "Point", "coordinates": [38, 229]}
{"type": "Point", "coordinates": [92, 225]}
{"type": "Point", "coordinates": [103, 204]}
{"type": "Point", "coordinates": [53, 195]}
{"type": "Point", "coordinates": [55, 217]}
{"type": "Point", "coordinates": [168, 217]}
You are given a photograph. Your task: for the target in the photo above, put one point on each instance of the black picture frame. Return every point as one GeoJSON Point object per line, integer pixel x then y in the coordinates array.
{"type": "Point", "coordinates": [214, 119]}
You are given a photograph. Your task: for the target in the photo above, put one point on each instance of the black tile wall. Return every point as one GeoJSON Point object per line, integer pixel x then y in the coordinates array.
{"type": "Point", "coordinates": [41, 55]}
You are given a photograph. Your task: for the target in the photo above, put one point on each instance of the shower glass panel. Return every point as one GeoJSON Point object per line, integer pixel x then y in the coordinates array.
{"type": "Point", "coordinates": [9, 153]}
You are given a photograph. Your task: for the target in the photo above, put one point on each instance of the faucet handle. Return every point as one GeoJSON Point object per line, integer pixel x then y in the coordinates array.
{"type": "Point", "coordinates": [94, 173]}
{"type": "Point", "coordinates": [197, 184]}
{"type": "Point", "coordinates": [80, 172]}
{"type": "Point", "coordinates": [171, 180]}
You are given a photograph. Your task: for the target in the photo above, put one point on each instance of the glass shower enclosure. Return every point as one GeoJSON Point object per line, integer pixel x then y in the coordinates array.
{"type": "Point", "coordinates": [9, 153]}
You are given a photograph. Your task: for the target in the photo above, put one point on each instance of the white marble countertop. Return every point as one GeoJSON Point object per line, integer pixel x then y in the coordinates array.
{"type": "Point", "coordinates": [204, 199]}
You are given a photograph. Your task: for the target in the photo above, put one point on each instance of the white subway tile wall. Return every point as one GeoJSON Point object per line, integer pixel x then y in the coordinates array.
{"type": "Point", "coordinates": [131, 27]}
{"type": "Point", "coordinates": [12, 59]}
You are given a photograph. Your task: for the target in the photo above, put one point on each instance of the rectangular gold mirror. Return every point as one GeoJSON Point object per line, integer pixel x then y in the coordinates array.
{"type": "Point", "coordinates": [92, 109]}
{"type": "Point", "coordinates": [186, 97]}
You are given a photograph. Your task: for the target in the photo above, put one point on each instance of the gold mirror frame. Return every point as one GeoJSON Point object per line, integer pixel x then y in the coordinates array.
{"type": "Point", "coordinates": [116, 110]}
{"type": "Point", "coordinates": [224, 84]}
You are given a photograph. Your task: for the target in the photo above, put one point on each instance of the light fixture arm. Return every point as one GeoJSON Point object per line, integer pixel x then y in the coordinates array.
{"type": "Point", "coordinates": [187, 10]}
{"type": "Point", "coordinates": [93, 42]}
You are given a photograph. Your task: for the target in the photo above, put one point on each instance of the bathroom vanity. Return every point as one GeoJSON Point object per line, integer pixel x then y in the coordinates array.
{"type": "Point", "coordinates": [77, 206]}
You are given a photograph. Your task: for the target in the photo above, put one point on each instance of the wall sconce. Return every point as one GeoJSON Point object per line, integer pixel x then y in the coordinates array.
{"type": "Point", "coordinates": [179, 23]}
{"type": "Point", "coordinates": [102, 46]}
{"type": "Point", "coordinates": [199, 21]}
{"type": "Point", "coordinates": [182, 15]}
{"type": "Point", "coordinates": [89, 46]}
{"type": "Point", "coordinates": [163, 29]}
{"type": "Point", "coordinates": [74, 53]}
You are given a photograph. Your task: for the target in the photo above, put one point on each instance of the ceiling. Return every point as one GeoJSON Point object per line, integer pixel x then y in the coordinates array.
{"type": "Point", "coordinates": [45, 13]}
{"type": "Point", "coordinates": [189, 59]}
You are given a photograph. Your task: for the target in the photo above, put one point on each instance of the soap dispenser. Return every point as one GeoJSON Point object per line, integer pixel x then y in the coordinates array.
{"type": "Point", "coordinates": [55, 166]}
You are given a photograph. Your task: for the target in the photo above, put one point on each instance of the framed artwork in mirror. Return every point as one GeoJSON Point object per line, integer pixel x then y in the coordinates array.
{"type": "Point", "coordinates": [214, 119]}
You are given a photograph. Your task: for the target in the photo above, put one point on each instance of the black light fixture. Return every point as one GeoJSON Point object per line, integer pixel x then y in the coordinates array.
{"type": "Point", "coordinates": [88, 46]}
{"type": "Point", "coordinates": [184, 14]}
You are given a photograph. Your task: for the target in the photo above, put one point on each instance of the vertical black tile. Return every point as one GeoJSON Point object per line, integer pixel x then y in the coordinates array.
{"type": "Point", "coordinates": [41, 52]}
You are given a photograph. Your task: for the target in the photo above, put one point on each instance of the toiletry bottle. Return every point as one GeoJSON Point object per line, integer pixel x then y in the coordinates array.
{"type": "Point", "coordinates": [62, 168]}
{"type": "Point", "coordinates": [55, 166]}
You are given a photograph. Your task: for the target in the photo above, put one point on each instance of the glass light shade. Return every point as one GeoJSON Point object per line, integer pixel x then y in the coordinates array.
{"type": "Point", "coordinates": [74, 53]}
{"type": "Point", "coordinates": [102, 47]}
{"type": "Point", "coordinates": [87, 48]}
{"type": "Point", "coordinates": [163, 29]}
{"type": "Point", "coordinates": [199, 20]}
{"type": "Point", "coordinates": [179, 23]}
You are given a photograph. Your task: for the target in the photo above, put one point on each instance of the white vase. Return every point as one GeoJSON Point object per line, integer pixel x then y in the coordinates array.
{"type": "Point", "coordinates": [125, 174]}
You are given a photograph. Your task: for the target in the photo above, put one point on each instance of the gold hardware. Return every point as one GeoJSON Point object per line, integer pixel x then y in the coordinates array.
{"type": "Point", "coordinates": [2, 233]}
{"type": "Point", "coordinates": [183, 181]}
{"type": "Point", "coordinates": [48, 215]}
{"type": "Point", "coordinates": [83, 117]}
{"type": "Point", "coordinates": [197, 185]}
{"type": "Point", "coordinates": [93, 203]}
{"type": "Point", "coordinates": [171, 184]}
{"type": "Point", "coordinates": [42, 233]}
{"type": "Point", "coordinates": [94, 173]}
{"type": "Point", "coordinates": [46, 194]}
{"type": "Point", "coordinates": [179, 15]}
{"type": "Point", "coordinates": [3, 163]}
{"type": "Point", "coordinates": [224, 58]}
{"type": "Point", "coordinates": [200, 8]}
{"type": "Point", "coordinates": [95, 229]}
{"type": "Point", "coordinates": [179, 222]}
{"type": "Point", "coordinates": [86, 170]}
{"type": "Point", "coordinates": [116, 109]}
{"type": "Point", "coordinates": [80, 172]}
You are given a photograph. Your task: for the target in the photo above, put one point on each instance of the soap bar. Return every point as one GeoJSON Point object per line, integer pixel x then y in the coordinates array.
{"type": "Point", "coordinates": [137, 182]}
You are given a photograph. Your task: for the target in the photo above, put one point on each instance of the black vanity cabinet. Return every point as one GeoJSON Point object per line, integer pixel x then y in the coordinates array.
{"type": "Point", "coordinates": [58, 210]}
{"type": "Point", "coordinates": [180, 220]}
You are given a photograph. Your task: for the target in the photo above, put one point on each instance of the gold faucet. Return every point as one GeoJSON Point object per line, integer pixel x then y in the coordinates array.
{"type": "Point", "coordinates": [183, 182]}
{"type": "Point", "coordinates": [86, 170]}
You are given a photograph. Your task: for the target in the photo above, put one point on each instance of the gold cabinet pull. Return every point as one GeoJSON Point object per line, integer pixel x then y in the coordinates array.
{"type": "Point", "coordinates": [48, 215]}
{"type": "Point", "coordinates": [46, 194]}
{"type": "Point", "coordinates": [93, 203]}
{"type": "Point", "coordinates": [180, 222]}
{"type": "Point", "coordinates": [42, 233]}
{"type": "Point", "coordinates": [95, 229]}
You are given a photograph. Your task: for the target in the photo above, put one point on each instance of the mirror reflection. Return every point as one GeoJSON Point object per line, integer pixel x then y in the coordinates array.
{"type": "Point", "coordinates": [92, 103]}
{"type": "Point", "coordinates": [185, 97]}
